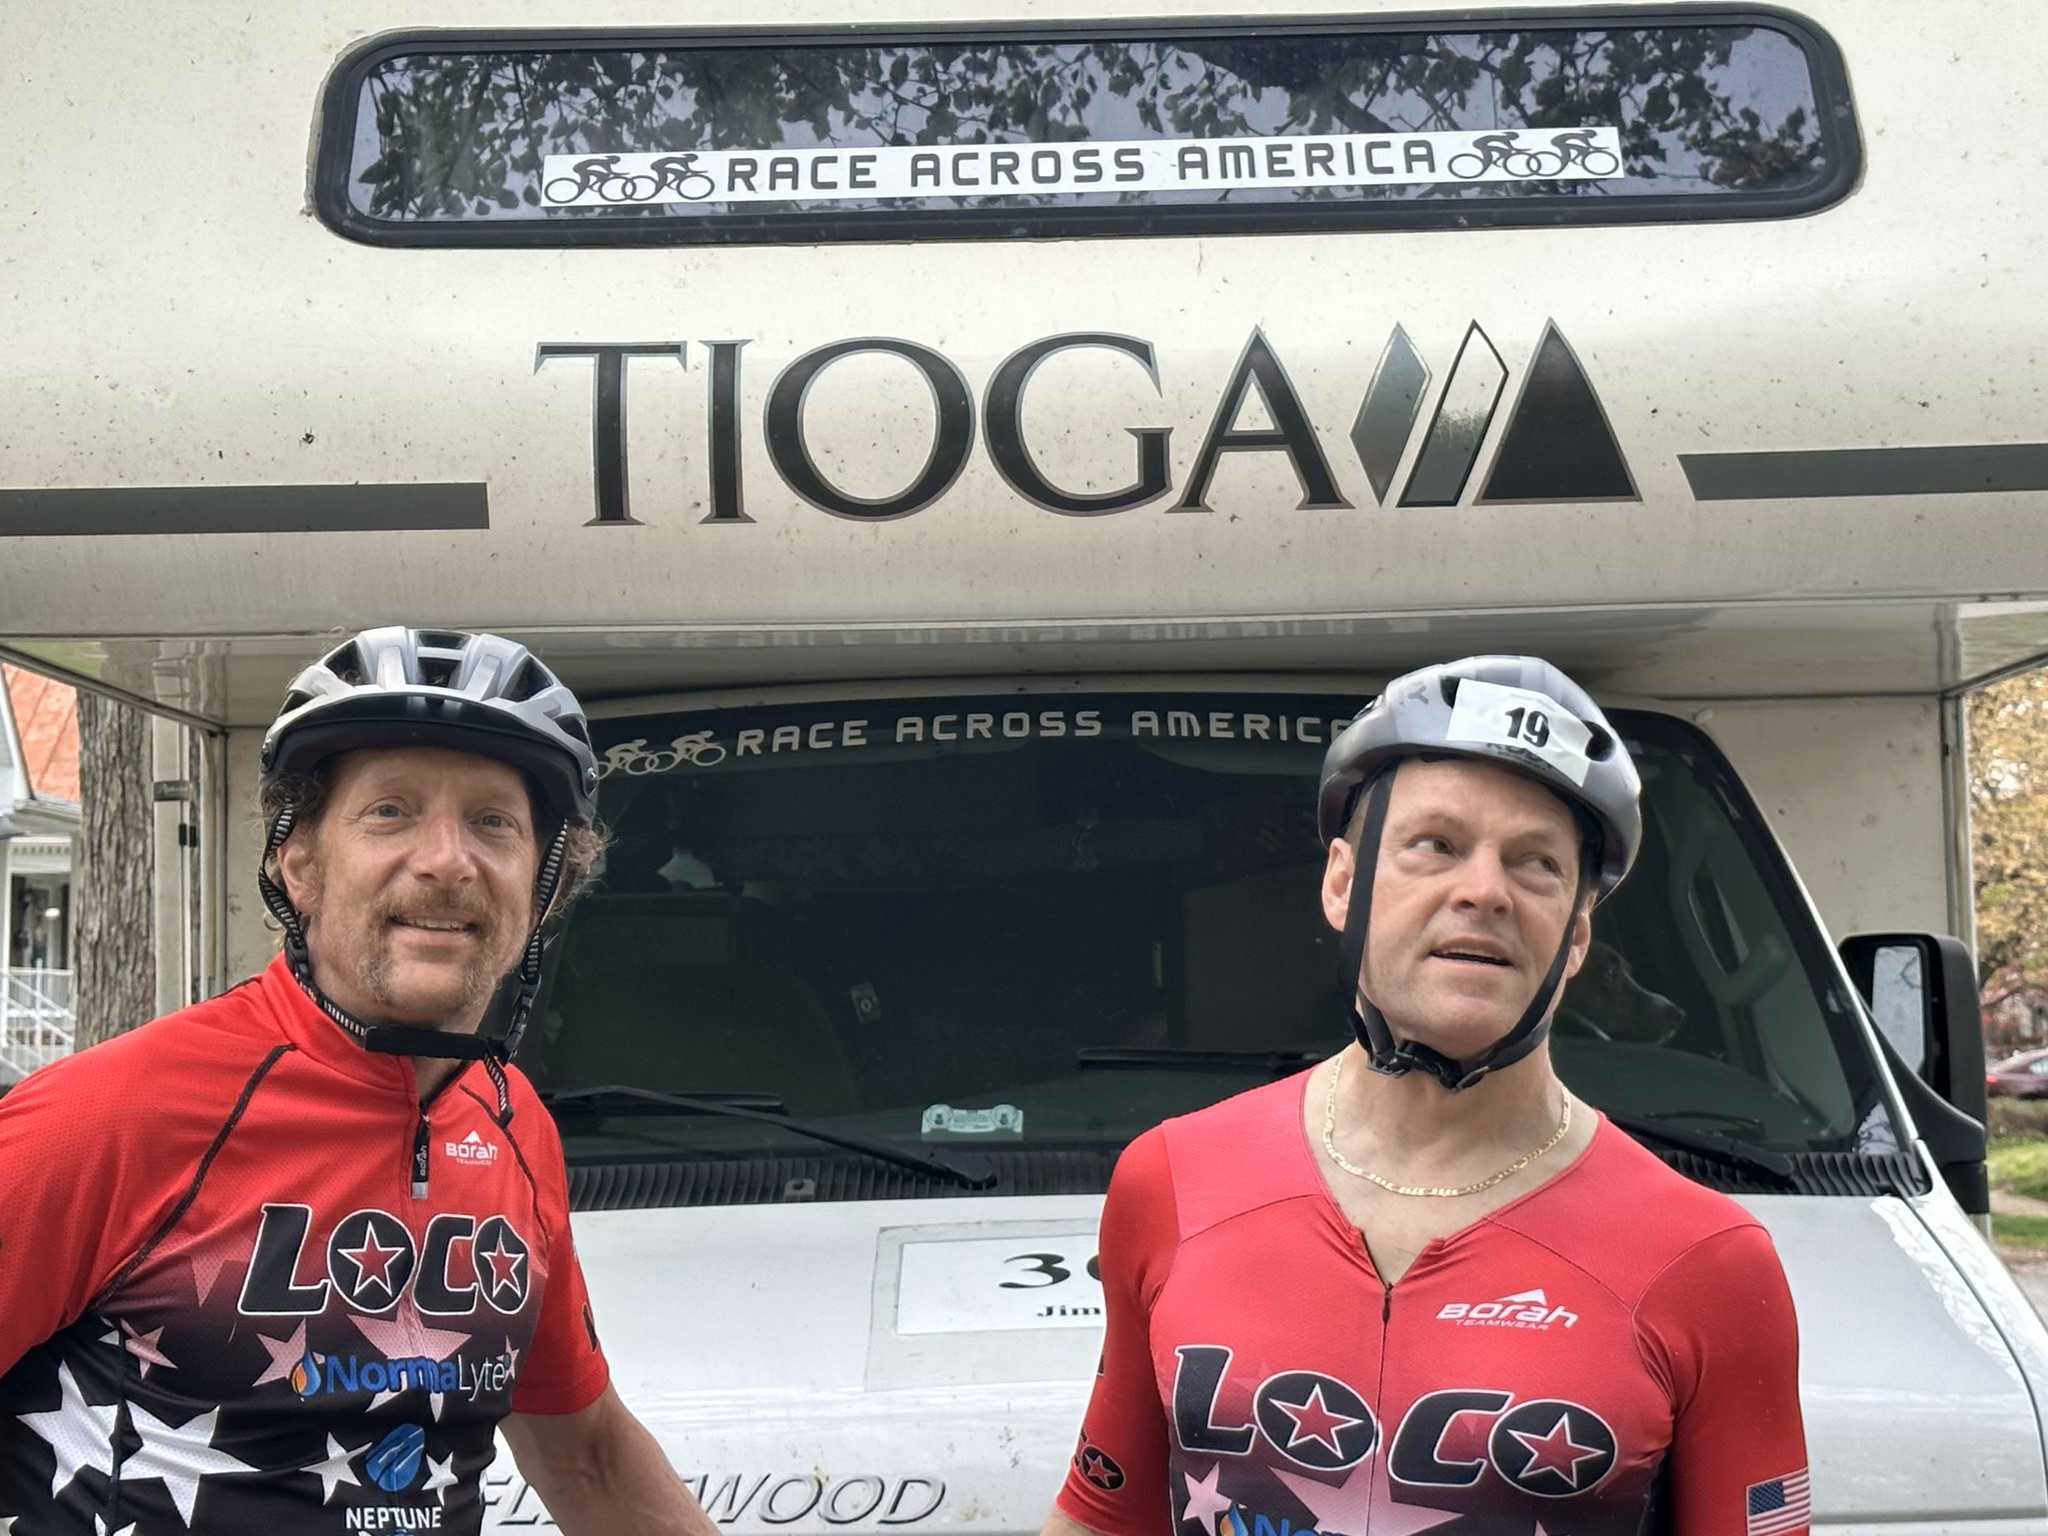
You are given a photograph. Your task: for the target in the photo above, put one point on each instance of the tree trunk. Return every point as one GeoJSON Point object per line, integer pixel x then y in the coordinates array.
{"type": "Point", "coordinates": [114, 932]}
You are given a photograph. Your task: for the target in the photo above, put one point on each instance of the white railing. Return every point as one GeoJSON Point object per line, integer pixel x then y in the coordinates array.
{"type": "Point", "coordinates": [38, 1010]}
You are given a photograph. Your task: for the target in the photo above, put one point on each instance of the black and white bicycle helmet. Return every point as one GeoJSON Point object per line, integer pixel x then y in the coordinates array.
{"type": "Point", "coordinates": [1521, 713]}
{"type": "Point", "coordinates": [397, 687]}
{"type": "Point", "coordinates": [439, 688]}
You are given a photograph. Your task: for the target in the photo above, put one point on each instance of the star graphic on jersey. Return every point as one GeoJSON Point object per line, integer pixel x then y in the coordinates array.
{"type": "Point", "coordinates": [1556, 1453]}
{"type": "Point", "coordinates": [284, 1355]}
{"type": "Point", "coordinates": [180, 1455]}
{"type": "Point", "coordinates": [1205, 1502]}
{"type": "Point", "coordinates": [1313, 1420]}
{"type": "Point", "coordinates": [404, 1335]}
{"type": "Point", "coordinates": [373, 1261]}
{"type": "Point", "coordinates": [335, 1470]}
{"type": "Point", "coordinates": [206, 1270]}
{"type": "Point", "coordinates": [144, 1347]}
{"type": "Point", "coordinates": [81, 1433]}
{"type": "Point", "coordinates": [504, 1263]}
{"type": "Point", "coordinates": [440, 1477]}
{"type": "Point", "coordinates": [1346, 1508]}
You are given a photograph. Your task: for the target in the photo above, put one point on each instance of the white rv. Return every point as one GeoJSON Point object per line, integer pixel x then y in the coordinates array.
{"type": "Point", "coordinates": [973, 465]}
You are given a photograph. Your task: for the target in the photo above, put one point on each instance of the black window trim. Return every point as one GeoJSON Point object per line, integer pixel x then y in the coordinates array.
{"type": "Point", "coordinates": [1834, 117]}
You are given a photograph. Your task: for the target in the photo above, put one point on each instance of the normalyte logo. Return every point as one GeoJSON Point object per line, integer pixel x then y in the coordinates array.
{"type": "Point", "coordinates": [1524, 1309]}
{"type": "Point", "coordinates": [316, 1375]}
{"type": "Point", "coordinates": [1557, 445]}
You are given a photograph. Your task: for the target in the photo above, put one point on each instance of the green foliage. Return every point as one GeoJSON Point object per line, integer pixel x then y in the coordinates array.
{"type": "Point", "coordinates": [2026, 1235]}
{"type": "Point", "coordinates": [2014, 1118]}
{"type": "Point", "coordinates": [2009, 846]}
{"type": "Point", "coordinates": [2021, 1168]}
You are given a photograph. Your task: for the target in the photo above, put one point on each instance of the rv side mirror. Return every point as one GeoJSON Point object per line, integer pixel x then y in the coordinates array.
{"type": "Point", "coordinates": [1921, 989]}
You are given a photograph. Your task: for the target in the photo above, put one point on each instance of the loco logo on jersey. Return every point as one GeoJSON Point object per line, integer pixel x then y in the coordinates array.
{"type": "Point", "coordinates": [1310, 1418]}
{"type": "Point", "coordinates": [1545, 1446]}
{"type": "Point", "coordinates": [373, 1262]}
{"type": "Point", "coordinates": [1449, 1439]}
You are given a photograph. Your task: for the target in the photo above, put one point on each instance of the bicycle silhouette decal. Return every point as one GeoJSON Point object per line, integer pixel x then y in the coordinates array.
{"type": "Point", "coordinates": [1505, 153]}
{"type": "Point", "coordinates": [604, 176]}
{"type": "Point", "coordinates": [632, 758]}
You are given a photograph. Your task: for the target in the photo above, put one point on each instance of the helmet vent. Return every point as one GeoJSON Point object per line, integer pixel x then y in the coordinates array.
{"type": "Point", "coordinates": [1600, 746]}
{"type": "Point", "coordinates": [531, 678]}
{"type": "Point", "coordinates": [350, 665]}
{"type": "Point", "coordinates": [441, 640]}
{"type": "Point", "coordinates": [437, 671]}
{"type": "Point", "coordinates": [573, 724]}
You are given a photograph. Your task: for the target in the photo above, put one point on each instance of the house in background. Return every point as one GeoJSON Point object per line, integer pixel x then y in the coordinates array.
{"type": "Point", "coordinates": [38, 823]}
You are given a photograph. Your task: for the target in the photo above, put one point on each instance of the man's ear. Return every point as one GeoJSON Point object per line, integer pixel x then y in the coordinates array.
{"type": "Point", "coordinates": [1582, 938]}
{"type": "Point", "coordinates": [298, 870]}
{"type": "Point", "coordinates": [1337, 872]}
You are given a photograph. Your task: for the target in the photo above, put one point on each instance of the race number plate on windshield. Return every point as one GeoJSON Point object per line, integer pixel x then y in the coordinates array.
{"type": "Point", "coordinates": [1492, 715]}
{"type": "Point", "coordinates": [977, 1284]}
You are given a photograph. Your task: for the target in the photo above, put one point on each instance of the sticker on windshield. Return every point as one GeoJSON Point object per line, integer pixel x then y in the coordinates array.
{"type": "Point", "coordinates": [975, 1285]}
{"type": "Point", "coordinates": [1110, 168]}
{"type": "Point", "coordinates": [1489, 714]}
{"type": "Point", "coordinates": [943, 1121]}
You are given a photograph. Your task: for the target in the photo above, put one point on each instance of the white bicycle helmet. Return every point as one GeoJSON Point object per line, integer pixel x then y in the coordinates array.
{"type": "Point", "coordinates": [443, 688]}
{"type": "Point", "coordinates": [1521, 713]}
{"type": "Point", "coordinates": [399, 687]}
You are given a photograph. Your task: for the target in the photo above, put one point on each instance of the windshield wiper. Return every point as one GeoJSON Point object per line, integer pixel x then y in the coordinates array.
{"type": "Point", "coordinates": [1188, 1058]}
{"type": "Point", "coordinates": [970, 1171]}
{"type": "Point", "coordinates": [1724, 1149]}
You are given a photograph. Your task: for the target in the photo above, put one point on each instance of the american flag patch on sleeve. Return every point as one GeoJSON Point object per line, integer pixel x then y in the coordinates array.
{"type": "Point", "coordinates": [1778, 1506]}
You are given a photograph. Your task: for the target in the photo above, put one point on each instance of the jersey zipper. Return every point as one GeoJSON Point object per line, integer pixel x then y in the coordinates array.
{"type": "Point", "coordinates": [422, 1137]}
{"type": "Point", "coordinates": [420, 1147]}
{"type": "Point", "coordinates": [1386, 1335]}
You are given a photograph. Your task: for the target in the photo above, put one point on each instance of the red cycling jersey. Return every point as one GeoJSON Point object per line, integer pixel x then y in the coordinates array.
{"type": "Point", "coordinates": [227, 1304]}
{"type": "Point", "coordinates": [1613, 1350]}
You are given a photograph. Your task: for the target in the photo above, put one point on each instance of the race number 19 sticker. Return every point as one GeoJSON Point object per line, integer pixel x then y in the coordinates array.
{"type": "Point", "coordinates": [1492, 715]}
{"type": "Point", "coordinates": [977, 1284]}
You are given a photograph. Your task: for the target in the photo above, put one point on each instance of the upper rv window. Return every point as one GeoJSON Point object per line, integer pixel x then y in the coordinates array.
{"type": "Point", "coordinates": [1209, 128]}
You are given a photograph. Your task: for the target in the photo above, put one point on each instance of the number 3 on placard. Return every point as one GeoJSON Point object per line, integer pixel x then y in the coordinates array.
{"type": "Point", "coordinates": [1051, 1267]}
{"type": "Point", "coordinates": [1532, 725]}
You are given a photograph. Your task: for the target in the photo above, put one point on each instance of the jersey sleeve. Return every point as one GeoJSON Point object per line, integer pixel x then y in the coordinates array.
{"type": "Point", "coordinates": [1718, 1324]}
{"type": "Point", "coordinates": [565, 1368]}
{"type": "Point", "coordinates": [77, 1193]}
{"type": "Point", "coordinates": [1116, 1483]}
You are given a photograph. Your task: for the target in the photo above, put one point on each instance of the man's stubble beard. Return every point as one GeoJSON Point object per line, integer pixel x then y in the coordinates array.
{"type": "Point", "coordinates": [374, 976]}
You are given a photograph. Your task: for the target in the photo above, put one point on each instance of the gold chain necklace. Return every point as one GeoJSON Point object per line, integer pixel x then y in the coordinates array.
{"type": "Point", "coordinates": [1564, 1126]}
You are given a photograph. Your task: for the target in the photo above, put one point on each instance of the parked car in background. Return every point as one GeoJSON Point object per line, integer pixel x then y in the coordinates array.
{"type": "Point", "coordinates": [2021, 1076]}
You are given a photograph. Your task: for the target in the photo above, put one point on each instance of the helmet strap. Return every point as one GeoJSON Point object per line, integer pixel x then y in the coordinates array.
{"type": "Point", "coordinates": [1384, 1052]}
{"type": "Point", "coordinates": [546, 882]}
{"type": "Point", "coordinates": [406, 1039]}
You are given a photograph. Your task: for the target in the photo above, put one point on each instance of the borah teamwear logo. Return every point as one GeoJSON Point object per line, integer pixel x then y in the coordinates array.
{"type": "Point", "coordinates": [471, 1149]}
{"type": "Point", "coordinates": [1524, 1309]}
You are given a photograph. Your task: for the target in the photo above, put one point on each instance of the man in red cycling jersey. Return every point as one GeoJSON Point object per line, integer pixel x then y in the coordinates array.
{"type": "Point", "coordinates": [286, 1260]}
{"type": "Point", "coordinates": [1419, 1288]}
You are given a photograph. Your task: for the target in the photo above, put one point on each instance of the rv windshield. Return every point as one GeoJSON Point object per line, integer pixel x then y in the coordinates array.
{"type": "Point", "coordinates": [1027, 927]}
